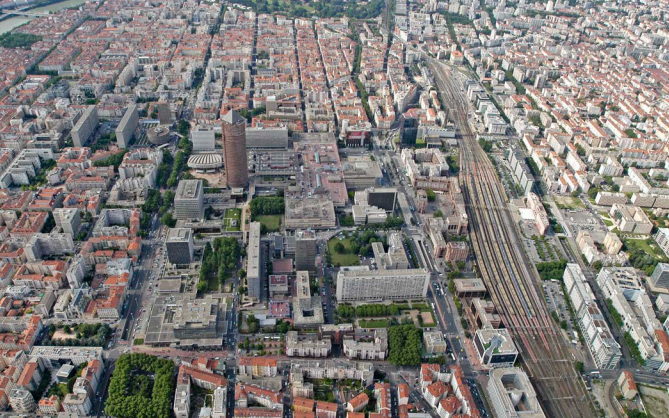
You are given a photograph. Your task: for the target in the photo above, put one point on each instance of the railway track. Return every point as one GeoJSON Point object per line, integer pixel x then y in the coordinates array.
{"type": "Point", "coordinates": [511, 280]}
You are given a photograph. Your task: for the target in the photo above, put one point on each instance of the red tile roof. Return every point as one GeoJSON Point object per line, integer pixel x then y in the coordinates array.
{"type": "Point", "coordinates": [360, 399]}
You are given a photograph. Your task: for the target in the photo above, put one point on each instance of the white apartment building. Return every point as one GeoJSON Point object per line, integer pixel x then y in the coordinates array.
{"type": "Point", "coordinates": [375, 348]}
{"type": "Point", "coordinates": [308, 345]}
{"type": "Point", "coordinates": [220, 399]}
{"type": "Point", "coordinates": [182, 394]}
{"type": "Point", "coordinates": [611, 168]}
{"type": "Point", "coordinates": [78, 403]}
{"type": "Point", "coordinates": [334, 369]}
{"type": "Point", "coordinates": [539, 212]}
{"type": "Point", "coordinates": [361, 283]}
{"type": "Point", "coordinates": [603, 347]}
{"type": "Point", "coordinates": [41, 245]}
{"type": "Point", "coordinates": [21, 400]}
{"type": "Point", "coordinates": [619, 279]}
{"type": "Point", "coordinates": [68, 220]}
{"type": "Point", "coordinates": [628, 218]}
{"type": "Point", "coordinates": [622, 286]}
{"type": "Point", "coordinates": [77, 355]}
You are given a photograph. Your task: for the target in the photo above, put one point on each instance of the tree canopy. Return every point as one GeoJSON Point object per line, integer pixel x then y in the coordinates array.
{"type": "Point", "coordinates": [18, 40]}
{"type": "Point", "coordinates": [267, 205]}
{"type": "Point", "coordinates": [219, 260]}
{"type": "Point", "coordinates": [552, 270]}
{"type": "Point", "coordinates": [114, 160]}
{"type": "Point", "coordinates": [405, 345]}
{"type": "Point", "coordinates": [131, 396]}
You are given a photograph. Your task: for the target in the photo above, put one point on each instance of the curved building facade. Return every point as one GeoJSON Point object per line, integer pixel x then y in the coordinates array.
{"type": "Point", "coordinates": [234, 146]}
{"type": "Point", "coordinates": [205, 162]}
{"type": "Point", "coordinates": [158, 135]}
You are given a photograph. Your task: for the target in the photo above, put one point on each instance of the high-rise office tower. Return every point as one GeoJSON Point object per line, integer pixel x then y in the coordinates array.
{"type": "Point", "coordinates": [305, 251]}
{"type": "Point", "coordinates": [234, 147]}
{"type": "Point", "coordinates": [189, 200]}
{"type": "Point", "coordinates": [179, 245]}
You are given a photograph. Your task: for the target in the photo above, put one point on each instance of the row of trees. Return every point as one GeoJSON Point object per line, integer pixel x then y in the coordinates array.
{"type": "Point", "coordinates": [126, 401]}
{"type": "Point", "coordinates": [179, 161]}
{"type": "Point", "coordinates": [321, 8]}
{"type": "Point", "coordinates": [164, 168]}
{"type": "Point", "coordinates": [377, 310]}
{"type": "Point", "coordinates": [405, 345]}
{"type": "Point", "coordinates": [267, 205]}
{"type": "Point", "coordinates": [152, 202]}
{"type": "Point", "coordinates": [346, 311]}
{"type": "Point", "coordinates": [151, 205]}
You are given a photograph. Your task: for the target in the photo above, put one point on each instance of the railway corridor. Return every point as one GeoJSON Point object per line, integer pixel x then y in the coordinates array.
{"type": "Point", "coordinates": [512, 282]}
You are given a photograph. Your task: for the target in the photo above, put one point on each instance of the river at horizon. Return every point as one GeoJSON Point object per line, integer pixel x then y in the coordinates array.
{"type": "Point", "coordinates": [7, 25]}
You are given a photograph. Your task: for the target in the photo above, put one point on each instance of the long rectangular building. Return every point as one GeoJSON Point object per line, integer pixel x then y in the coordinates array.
{"type": "Point", "coordinates": [596, 333]}
{"type": "Point", "coordinates": [85, 126]}
{"type": "Point", "coordinates": [76, 355]}
{"type": "Point", "coordinates": [126, 128]}
{"type": "Point", "coordinates": [189, 200]}
{"type": "Point", "coordinates": [360, 284]}
{"type": "Point", "coordinates": [253, 273]}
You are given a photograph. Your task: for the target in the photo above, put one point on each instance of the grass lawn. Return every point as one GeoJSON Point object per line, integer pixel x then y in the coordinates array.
{"type": "Point", "coordinates": [373, 323]}
{"type": "Point", "coordinates": [568, 202]}
{"type": "Point", "coordinates": [232, 221]}
{"type": "Point", "coordinates": [643, 246]}
{"type": "Point", "coordinates": [345, 259]}
{"type": "Point", "coordinates": [271, 222]}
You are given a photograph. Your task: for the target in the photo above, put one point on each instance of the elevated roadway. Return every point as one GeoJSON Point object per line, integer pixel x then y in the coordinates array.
{"type": "Point", "coordinates": [511, 279]}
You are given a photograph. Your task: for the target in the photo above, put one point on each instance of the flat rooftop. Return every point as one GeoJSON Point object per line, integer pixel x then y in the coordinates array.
{"type": "Point", "coordinates": [188, 189]}
{"type": "Point", "coordinates": [501, 335]}
{"type": "Point", "coordinates": [179, 234]}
